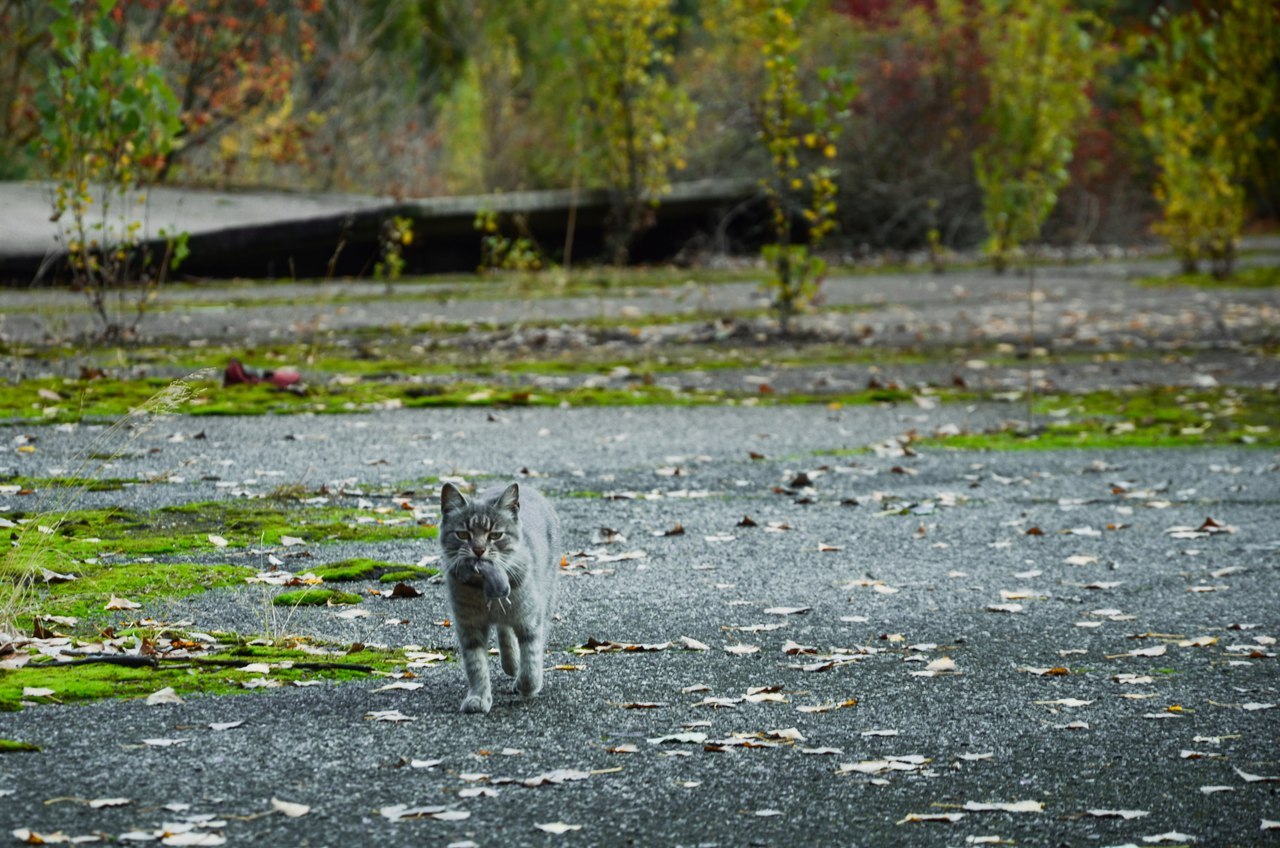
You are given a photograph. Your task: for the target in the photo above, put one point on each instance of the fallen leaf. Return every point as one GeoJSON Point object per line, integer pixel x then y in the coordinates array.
{"type": "Point", "coordinates": [1122, 814]}
{"type": "Point", "coordinates": [1080, 559]}
{"type": "Point", "coordinates": [216, 540]}
{"type": "Point", "coordinates": [407, 685]}
{"type": "Point", "coordinates": [424, 764]}
{"type": "Point", "coordinates": [908, 762]}
{"type": "Point", "coordinates": [396, 812]}
{"type": "Point", "coordinates": [289, 808]}
{"type": "Point", "coordinates": [1171, 836]}
{"type": "Point", "coordinates": [291, 541]}
{"type": "Point", "coordinates": [164, 743]}
{"type": "Point", "coordinates": [741, 650]}
{"type": "Point", "coordinates": [163, 696]}
{"type": "Point", "coordinates": [718, 703]}
{"type": "Point", "coordinates": [121, 604]}
{"type": "Point", "coordinates": [388, 715]}
{"type": "Point", "coordinates": [1256, 778]}
{"type": "Point", "coordinates": [1153, 651]}
{"type": "Point", "coordinates": [36, 692]}
{"type": "Point", "coordinates": [828, 707]}
{"type": "Point", "coordinates": [692, 738]}
{"type": "Point", "coordinates": [693, 644]}
{"type": "Point", "coordinates": [1005, 807]}
{"type": "Point", "coordinates": [931, 817]}
{"type": "Point", "coordinates": [768, 813]}
{"type": "Point", "coordinates": [941, 665]}
{"type": "Point", "coordinates": [98, 803]}
{"type": "Point", "coordinates": [451, 815]}
{"type": "Point", "coordinates": [787, 610]}
{"type": "Point", "coordinates": [1065, 702]}
{"type": "Point", "coordinates": [557, 828]}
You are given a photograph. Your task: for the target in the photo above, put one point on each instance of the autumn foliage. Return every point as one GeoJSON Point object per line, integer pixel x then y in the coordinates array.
{"type": "Point", "coordinates": [975, 121]}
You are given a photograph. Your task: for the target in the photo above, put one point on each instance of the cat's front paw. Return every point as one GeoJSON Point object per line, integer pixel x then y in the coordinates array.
{"type": "Point", "coordinates": [527, 686]}
{"type": "Point", "coordinates": [477, 703]}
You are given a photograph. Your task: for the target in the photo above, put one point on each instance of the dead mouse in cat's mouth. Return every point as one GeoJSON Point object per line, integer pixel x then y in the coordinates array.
{"type": "Point", "coordinates": [496, 584]}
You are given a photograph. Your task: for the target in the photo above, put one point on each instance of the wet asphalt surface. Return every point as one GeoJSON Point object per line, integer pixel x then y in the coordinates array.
{"type": "Point", "coordinates": [902, 592]}
{"type": "Point", "coordinates": [930, 561]}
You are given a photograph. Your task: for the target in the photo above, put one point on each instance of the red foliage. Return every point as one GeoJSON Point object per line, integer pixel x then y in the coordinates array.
{"type": "Point", "coordinates": [224, 57]}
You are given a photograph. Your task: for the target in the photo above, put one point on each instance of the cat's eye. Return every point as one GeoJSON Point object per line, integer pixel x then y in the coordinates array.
{"type": "Point", "coordinates": [462, 534]}
{"type": "Point", "coordinates": [496, 535]}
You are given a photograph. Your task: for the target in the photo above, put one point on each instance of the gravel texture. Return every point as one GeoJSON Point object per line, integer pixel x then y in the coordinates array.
{"type": "Point", "coordinates": [902, 591]}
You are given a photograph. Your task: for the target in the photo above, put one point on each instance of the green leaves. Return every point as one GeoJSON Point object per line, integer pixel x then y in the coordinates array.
{"type": "Point", "coordinates": [641, 119]}
{"type": "Point", "coordinates": [1206, 88]}
{"type": "Point", "coordinates": [108, 121]}
{"type": "Point", "coordinates": [1041, 60]}
{"type": "Point", "coordinates": [800, 118]}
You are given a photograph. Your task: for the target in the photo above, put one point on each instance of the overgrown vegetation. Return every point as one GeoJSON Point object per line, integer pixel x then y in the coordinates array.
{"type": "Point", "coordinates": [408, 98]}
{"type": "Point", "coordinates": [1041, 61]}
{"type": "Point", "coordinates": [1157, 418]}
{"type": "Point", "coordinates": [799, 123]}
{"type": "Point", "coordinates": [108, 119]}
{"type": "Point", "coordinates": [220, 671]}
{"type": "Point", "coordinates": [639, 121]}
{"type": "Point", "coordinates": [1208, 92]}
{"type": "Point", "coordinates": [73, 562]}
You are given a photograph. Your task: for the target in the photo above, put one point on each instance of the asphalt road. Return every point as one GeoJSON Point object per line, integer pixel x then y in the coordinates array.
{"type": "Point", "coordinates": [902, 594]}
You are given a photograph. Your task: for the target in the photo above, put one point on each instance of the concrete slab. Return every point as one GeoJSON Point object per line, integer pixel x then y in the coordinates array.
{"type": "Point", "coordinates": [282, 234]}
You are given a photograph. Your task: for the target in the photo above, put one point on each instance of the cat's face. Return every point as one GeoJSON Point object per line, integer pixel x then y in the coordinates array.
{"type": "Point", "coordinates": [471, 531]}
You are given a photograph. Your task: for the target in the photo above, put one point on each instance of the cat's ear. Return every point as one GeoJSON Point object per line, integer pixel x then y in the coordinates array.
{"type": "Point", "coordinates": [451, 499]}
{"type": "Point", "coordinates": [510, 500]}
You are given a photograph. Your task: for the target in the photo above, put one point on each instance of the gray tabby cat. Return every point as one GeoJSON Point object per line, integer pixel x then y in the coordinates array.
{"type": "Point", "coordinates": [499, 554]}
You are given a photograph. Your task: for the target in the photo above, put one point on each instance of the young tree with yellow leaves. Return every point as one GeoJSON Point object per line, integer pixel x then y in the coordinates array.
{"type": "Point", "coordinates": [108, 122]}
{"type": "Point", "coordinates": [1208, 84]}
{"type": "Point", "coordinates": [799, 120]}
{"type": "Point", "coordinates": [1041, 60]}
{"type": "Point", "coordinates": [640, 118]}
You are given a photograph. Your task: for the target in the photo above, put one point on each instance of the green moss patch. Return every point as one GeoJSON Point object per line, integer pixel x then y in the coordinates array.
{"type": "Point", "coordinates": [13, 746]}
{"type": "Point", "coordinates": [314, 598]}
{"type": "Point", "coordinates": [87, 596]}
{"type": "Point", "coordinates": [217, 673]}
{"type": "Point", "coordinates": [186, 529]}
{"type": "Point", "coordinates": [1155, 418]}
{"type": "Point", "coordinates": [408, 575]}
{"type": "Point", "coordinates": [92, 555]}
{"type": "Point", "coordinates": [354, 569]}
